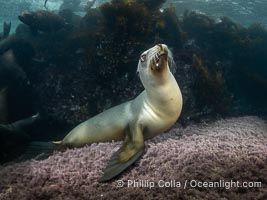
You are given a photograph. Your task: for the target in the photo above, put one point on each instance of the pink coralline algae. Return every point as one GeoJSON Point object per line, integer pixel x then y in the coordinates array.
{"type": "Point", "coordinates": [225, 151]}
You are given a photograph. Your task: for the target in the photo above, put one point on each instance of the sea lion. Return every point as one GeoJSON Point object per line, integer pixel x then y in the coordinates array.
{"type": "Point", "coordinates": [42, 20]}
{"type": "Point", "coordinates": [14, 59]}
{"type": "Point", "coordinates": [11, 72]}
{"type": "Point", "coordinates": [154, 111]}
{"type": "Point", "coordinates": [22, 49]}
{"type": "Point", "coordinates": [14, 136]}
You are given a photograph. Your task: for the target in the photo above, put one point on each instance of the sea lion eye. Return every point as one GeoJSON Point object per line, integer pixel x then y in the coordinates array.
{"type": "Point", "coordinates": [143, 58]}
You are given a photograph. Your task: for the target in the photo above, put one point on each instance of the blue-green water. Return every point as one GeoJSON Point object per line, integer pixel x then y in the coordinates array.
{"type": "Point", "coordinates": [243, 12]}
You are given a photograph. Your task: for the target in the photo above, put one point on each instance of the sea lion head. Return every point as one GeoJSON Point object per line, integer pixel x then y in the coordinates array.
{"type": "Point", "coordinates": [153, 65]}
{"type": "Point", "coordinates": [28, 17]}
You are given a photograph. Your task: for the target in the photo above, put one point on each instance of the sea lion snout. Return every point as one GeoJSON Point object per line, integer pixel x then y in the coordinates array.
{"type": "Point", "coordinates": [21, 17]}
{"type": "Point", "coordinates": [160, 58]}
{"type": "Point", "coordinates": [162, 48]}
{"type": "Point", "coordinates": [26, 17]}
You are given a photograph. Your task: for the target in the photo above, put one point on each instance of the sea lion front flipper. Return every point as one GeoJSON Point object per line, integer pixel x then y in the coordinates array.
{"type": "Point", "coordinates": [130, 152]}
{"type": "Point", "coordinates": [115, 167]}
{"type": "Point", "coordinates": [6, 29]}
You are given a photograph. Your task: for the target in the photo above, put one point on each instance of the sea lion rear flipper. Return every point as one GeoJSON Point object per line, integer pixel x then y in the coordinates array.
{"type": "Point", "coordinates": [6, 29]}
{"type": "Point", "coordinates": [38, 150]}
{"type": "Point", "coordinates": [25, 123]}
{"type": "Point", "coordinates": [130, 152]}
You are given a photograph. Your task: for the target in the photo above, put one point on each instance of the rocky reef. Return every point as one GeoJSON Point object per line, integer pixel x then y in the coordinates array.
{"type": "Point", "coordinates": [220, 152]}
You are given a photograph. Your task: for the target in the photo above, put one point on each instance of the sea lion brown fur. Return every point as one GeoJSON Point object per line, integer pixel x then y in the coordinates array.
{"type": "Point", "coordinates": [42, 20]}
{"type": "Point", "coordinates": [151, 113]}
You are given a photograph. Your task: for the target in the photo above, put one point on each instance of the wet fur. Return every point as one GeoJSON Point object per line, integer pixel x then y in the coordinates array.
{"type": "Point", "coordinates": [151, 113]}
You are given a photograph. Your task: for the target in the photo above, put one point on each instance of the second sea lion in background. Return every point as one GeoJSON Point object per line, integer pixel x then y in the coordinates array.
{"type": "Point", "coordinates": [11, 73]}
{"type": "Point", "coordinates": [42, 20]}
{"type": "Point", "coordinates": [14, 136]}
{"type": "Point", "coordinates": [15, 60]}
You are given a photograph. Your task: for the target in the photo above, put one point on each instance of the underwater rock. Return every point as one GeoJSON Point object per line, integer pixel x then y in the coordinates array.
{"type": "Point", "coordinates": [42, 20]}
{"type": "Point", "coordinates": [226, 150]}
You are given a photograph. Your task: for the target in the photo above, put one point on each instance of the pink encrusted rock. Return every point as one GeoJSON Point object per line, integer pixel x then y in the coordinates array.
{"type": "Point", "coordinates": [233, 149]}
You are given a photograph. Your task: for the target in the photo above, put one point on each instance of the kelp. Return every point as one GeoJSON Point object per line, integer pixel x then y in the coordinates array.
{"type": "Point", "coordinates": [210, 88]}
{"type": "Point", "coordinates": [97, 56]}
{"type": "Point", "coordinates": [240, 52]}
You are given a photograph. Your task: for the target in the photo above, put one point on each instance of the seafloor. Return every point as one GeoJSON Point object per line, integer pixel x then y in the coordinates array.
{"type": "Point", "coordinates": [226, 150]}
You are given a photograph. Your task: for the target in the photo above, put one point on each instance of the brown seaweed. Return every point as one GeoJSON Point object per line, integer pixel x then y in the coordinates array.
{"type": "Point", "coordinates": [210, 88]}
{"type": "Point", "coordinates": [98, 54]}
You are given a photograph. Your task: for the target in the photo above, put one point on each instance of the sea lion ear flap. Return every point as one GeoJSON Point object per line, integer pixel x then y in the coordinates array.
{"type": "Point", "coordinates": [131, 150]}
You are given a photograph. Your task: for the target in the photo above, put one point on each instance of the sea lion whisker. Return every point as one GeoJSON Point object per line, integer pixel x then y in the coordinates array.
{"type": "Point", "coordinates": [155, 56]}
{"type": "Point", "coordinates": [171, 62]}
{"type": "Point", "coordinates": [154, 51]}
